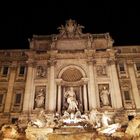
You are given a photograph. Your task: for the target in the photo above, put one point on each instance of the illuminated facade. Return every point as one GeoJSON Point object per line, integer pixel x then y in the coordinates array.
{"type": "Point", "coordinates": [103, 76]}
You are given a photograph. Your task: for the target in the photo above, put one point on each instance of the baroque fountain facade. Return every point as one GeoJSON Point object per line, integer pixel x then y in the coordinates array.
{"type": "Point", "coordinates": [70, 85]}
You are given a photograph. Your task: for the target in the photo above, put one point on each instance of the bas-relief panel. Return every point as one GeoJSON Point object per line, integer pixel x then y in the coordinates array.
{"type": "Point", "coordinates": [101, 70]}
{"type": "Point", "coordinates": [41, 71]}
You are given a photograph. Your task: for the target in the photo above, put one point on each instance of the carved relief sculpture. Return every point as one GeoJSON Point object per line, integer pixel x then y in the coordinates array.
{"type": "Point", "coordinates": [41, 72]}
{"type": "Point", "coordinates": [101, 70]}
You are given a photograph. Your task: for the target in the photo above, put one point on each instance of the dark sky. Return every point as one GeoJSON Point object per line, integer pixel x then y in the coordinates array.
{"type": "Point", "coordinates": [18, 23]}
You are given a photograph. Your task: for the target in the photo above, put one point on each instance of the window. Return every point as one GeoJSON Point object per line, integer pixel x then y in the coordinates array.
{"type": "Point", "coordinates": [121, 66]}
{"type": "Point", "coordinates": [127, 95]}
{"type": "Point", "coordinates": [122, 69]}
{"type": "Point", "coordinates": [1, 99]}
{"type": "Point", "coordinates": [17, 98]}
{"type": "Point", "coordinates": [14, 120]}
{"type": "Point", "coordinates": [5, 71]}
{"type": "Point", "coordinates": [21, 70]}
{"type": "Point", "coordinates": [138, 67]}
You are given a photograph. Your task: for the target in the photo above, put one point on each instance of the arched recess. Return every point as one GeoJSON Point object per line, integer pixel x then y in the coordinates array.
{"type": "Point", "coordinates": [72, 76]}
{"type": "Point", "coordinates": [72, 67]}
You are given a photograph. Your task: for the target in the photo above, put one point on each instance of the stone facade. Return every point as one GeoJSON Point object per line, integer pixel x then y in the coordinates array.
{"type": "Point", "coordinates": [103, 76]}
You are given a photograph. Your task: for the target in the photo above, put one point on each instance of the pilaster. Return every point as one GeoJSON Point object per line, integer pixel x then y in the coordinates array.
{"type": "Point", "coordinates": [58, 81]}
{"type": "Point", "coordinates": [115, 88]}
{"type": "Point", "coordinates": [134, 83]}
{"type": "Point", "coordinates": [91, 85]}
{"type": "Point", "coordinates": [9, 96]}
{"type": "Point", "coordinates": [29, 85]}
{"type": "Point", "coordinates": [85, 82]}
{"type": "Point", "coordinates": [52, 87]}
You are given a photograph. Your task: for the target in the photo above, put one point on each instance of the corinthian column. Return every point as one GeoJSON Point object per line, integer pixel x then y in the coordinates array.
{"type": "Point", "coordinates": [59, 95]}
{"type": "Point", "coordinates": [10, 88]}
{"type": "Point", "coordinates": [85, 94]}
{"type": "Point", "coordinates": [134, 83]}
{"type": "Point", "coordinates": [115, 88]}
{"type": "Point", "coordinates": [52, 88]}
{"type": "Point", "coordinates": [91, 86]}
{"type": "Point", "coordinates": [28, 87]}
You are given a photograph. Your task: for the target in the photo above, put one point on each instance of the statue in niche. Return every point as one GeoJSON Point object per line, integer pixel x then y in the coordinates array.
{"type": "Point", "coordinates": [101, 70]}
{"type": "Point", "coordinates": [104, 95]}
{"type": "Point", "coordinates": [71, 100]}
{"type": "Point", "coordinates": [41, 72]}
{"type": "Point", "coordinates": [40, 99]}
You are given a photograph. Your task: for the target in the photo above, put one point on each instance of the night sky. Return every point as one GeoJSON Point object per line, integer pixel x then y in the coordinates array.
{"type": "Point", "coordinates": [18, 23]}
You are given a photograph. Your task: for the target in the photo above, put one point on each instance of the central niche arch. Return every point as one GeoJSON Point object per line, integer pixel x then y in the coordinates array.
{"type": "Point", "coordinates": [72, 76]}
{"type": "Point", "coordinates": [71, 73]}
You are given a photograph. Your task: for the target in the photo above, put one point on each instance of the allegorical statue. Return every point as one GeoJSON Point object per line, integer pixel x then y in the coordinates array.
{"type": "Point", "coordinates": [71, 100]}
{"type": "Point", "coordinates": [104, 95]}
{"type": "Point", "coordinates": [40, 99]}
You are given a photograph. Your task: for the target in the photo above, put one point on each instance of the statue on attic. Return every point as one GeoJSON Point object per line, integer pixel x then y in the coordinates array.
{"type": "Point", "coordinates": [62, 30]}
{"type": "Point", "coordinates": [70, 30]}
{"type": "Point", "coordinates": [79, 29]}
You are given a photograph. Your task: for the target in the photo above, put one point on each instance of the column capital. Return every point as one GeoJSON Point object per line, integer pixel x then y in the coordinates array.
{"type": "Point", "coordinates": [130, 62]}
{"type": "Point", "coordinates": [91, 61]}
{"type": "Point", "coordinates": [58, 81]}
{"type": "Point", "coordinates": [89, 52]}
{"type": "Point", "coordinates": [52, 62]}
{"type": "Point", "coordinates": [85, 80]}
{"type": "Point", "coordinates": [31, 63]}
{"type": "Point", "coordinates": [13, 65]}
{"type": "Point", "coordinates": [111, 61]}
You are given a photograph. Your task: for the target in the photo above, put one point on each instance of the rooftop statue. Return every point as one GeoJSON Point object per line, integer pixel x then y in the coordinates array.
{"type": "Point", "coordinates": [70, 30]}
